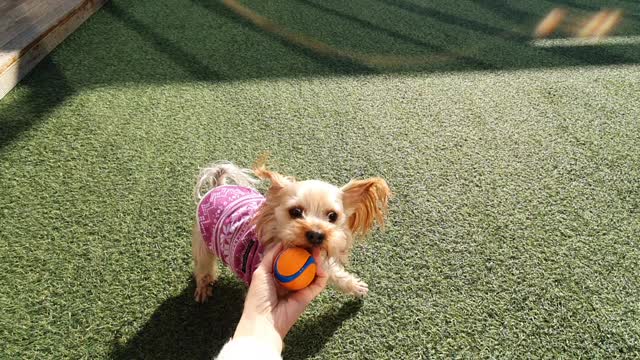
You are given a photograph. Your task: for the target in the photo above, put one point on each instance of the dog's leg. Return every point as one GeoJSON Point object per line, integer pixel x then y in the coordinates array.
{"type": "Point", "coordinates": [205, 269]}
{"type": "Point", "coordinates": [344, 280]}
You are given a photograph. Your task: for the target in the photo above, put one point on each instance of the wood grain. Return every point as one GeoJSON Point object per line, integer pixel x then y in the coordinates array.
{"type": "Point", "coordinates": [31, 29]}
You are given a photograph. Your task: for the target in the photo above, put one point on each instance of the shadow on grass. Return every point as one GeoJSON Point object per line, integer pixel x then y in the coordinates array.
{"type": "Point", "coordinates": [453, 19]}
{"type": "Point", "coordinates": [505, 10]}
{"type": "Point", "coordinates": [46, 88]}
{"type": "Point", "coordinates": [204, 40]}
{"type": "Point", "coordinates": [335, 65]}
{"type": "Point", "coordinates": [308, 337]}
{"type": "Point", "coordinates": [168, 41]}
{"type": "Point", "coordinates": [183, 329]}
{"type": "Point", "coordinates": [394, 34]}
{"type": "Point", "coordinates": [163, 44]}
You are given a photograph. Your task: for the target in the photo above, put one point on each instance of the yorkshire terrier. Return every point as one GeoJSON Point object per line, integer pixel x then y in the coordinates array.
{"type": "Point", "coordinates": [235, 223]}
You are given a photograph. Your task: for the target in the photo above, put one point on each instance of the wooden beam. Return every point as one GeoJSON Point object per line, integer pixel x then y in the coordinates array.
{"type": "Point", "coordinates": [33, 31]}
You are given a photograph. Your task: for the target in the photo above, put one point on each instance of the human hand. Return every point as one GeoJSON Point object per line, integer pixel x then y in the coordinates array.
{"type": "Point", "coordinates": [269, 310]}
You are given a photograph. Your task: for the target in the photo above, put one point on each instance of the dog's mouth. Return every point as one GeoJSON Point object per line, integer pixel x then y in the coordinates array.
{"type": "Point", "coordinates": [311, 237]}
{"type": "Point", "coordinates": [303, 243]}
{"type": "Point", "coordinates": [306, 245]}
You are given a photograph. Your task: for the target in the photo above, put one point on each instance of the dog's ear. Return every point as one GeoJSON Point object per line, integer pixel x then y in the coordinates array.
{"type": "Point", "coordinates": [265, 219]}
{"type": "Point", "coordinates": [365, 201]}
{"type": "Point", "coordinates": [277, 181]}
{"type": "Point", "coordinates": [265, 222]}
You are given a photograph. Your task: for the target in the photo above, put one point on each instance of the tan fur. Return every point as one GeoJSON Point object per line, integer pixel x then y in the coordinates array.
{"type": "Point", "coordinates": [265, 220]}
{"type": "Point", "coordinates": [277, 181]}
{"type": "Point", "coordinates": [205, 269]}
{"type": "Point", "coordinates": [367, 201]}
{"type": "Point", "coordinates": [359, 205]}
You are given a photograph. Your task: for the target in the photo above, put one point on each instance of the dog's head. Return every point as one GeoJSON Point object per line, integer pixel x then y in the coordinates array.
{"type": "Point", "coordinates": [314, 213]}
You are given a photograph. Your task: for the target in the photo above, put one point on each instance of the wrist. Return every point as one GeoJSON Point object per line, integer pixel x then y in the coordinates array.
{"type": "Point", "coordinates": [261, 328]}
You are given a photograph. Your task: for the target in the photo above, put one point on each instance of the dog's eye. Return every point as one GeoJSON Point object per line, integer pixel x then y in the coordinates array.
{"type": "Point", "coordinates": [333, 217]}
{"type": "Point", "coordinates": [295, 213]}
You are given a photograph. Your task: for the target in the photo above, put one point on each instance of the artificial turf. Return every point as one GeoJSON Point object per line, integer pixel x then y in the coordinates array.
{"type": "Point", "coordinates": [513, 233]}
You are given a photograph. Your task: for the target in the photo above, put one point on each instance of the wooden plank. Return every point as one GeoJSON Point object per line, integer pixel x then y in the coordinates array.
{"type": "Point", "coordinates": [31, 37]}
{"type": "Point", "coordinates": [28, 19]}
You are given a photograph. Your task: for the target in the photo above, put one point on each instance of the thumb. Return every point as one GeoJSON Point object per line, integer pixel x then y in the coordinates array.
{"type": "Point", "coordinates": [267, 260]}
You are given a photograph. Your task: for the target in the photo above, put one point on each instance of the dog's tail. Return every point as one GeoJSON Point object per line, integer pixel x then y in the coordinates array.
{"type": "Point", "coordinates": [218, 174]}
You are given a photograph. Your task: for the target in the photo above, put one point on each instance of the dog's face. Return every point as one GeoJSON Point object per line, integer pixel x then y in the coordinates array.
{"type": "Point", "coordinates": [314, 213]}
{"type": "Point", "coordinates": [309, 213]}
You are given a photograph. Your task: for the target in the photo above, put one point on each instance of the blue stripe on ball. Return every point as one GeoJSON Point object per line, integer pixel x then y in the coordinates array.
{"type": "Point", "coordinates": [286, 279]}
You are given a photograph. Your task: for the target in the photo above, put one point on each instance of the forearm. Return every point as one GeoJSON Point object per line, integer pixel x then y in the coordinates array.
{"type": "Point", "coordinates": [248, 348]}
{"type": "Point", "coordinates": [261, 328]}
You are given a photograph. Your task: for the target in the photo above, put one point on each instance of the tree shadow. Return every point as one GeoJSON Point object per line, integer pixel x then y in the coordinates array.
{"type": "Point", "coordinates": [183, 329]}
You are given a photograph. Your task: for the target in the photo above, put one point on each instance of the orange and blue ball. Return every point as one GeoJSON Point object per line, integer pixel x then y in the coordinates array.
{"type": "Point", "coordinates": [294, 268]}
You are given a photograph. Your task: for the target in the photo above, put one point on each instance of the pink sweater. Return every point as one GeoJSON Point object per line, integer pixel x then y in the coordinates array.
{"type": "Point", "coordinates": [225, 215]}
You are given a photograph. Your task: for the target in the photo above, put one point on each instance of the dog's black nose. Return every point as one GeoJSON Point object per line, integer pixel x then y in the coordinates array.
{"type": "Point", "coordinates": [314, 237]}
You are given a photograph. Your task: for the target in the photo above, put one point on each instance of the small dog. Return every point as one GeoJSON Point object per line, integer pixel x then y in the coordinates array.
{"type": "Point", "coordinates": [235, 223]}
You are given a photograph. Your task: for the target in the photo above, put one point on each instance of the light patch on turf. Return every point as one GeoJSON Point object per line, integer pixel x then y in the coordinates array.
{"type": "Point", "coordinates": [571, 42]}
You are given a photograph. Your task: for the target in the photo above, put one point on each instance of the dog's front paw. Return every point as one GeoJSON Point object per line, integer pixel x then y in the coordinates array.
{"type": "Point", "coordinates": [203, 293]}
{"type": "Point", "coordinates": [204, 288]}
{"type": "Point", "coordinates": [359, 288]}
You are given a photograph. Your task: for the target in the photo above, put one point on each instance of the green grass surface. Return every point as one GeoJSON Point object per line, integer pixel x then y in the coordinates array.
{"type": "Point", "coordinates": [515, 226]}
